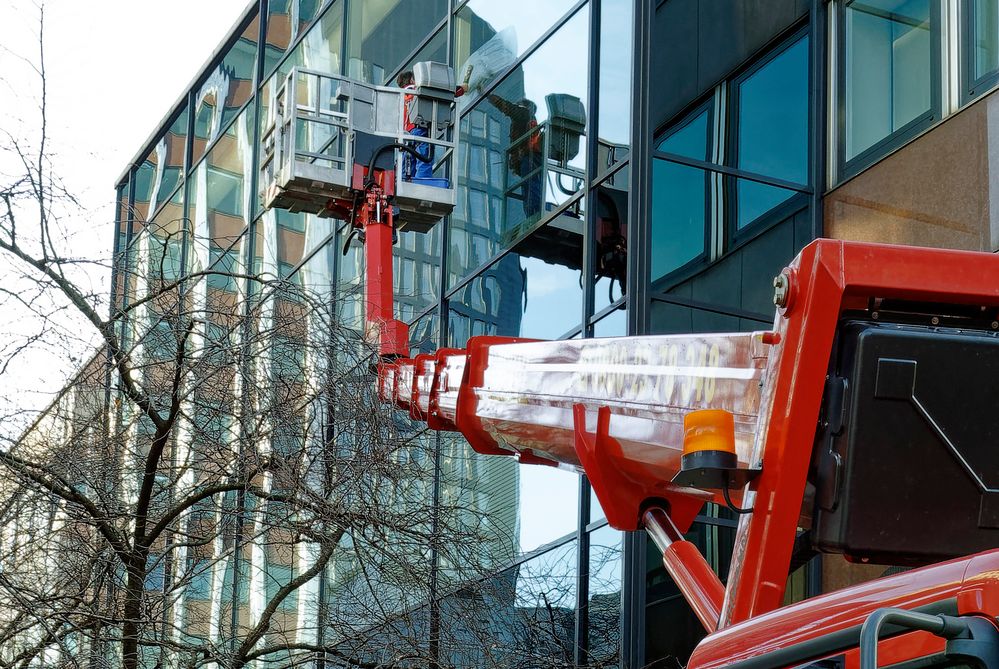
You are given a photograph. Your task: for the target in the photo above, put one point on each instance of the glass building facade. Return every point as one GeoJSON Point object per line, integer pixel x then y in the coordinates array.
{"type": "Point", "coordinates": [719, 139]}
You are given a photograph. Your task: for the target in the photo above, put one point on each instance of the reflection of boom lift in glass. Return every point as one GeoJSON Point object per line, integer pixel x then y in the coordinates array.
{"type": "Point", "coordinates": [337, 147]}
{"type": "Point", "coordinates": [538, 162]}
{"type": "Point", "coordinates": [560, 241]}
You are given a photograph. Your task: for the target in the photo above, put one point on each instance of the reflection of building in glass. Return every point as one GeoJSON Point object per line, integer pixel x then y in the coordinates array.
{"type": "Point", "coordinates": [601, 191]}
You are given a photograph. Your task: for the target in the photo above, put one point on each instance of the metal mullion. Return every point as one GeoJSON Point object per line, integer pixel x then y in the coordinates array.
{"type": "Point", "coordinates": [596, 525]}
{"type": "Point", "coordinates": [592, 130]}
{"type": "Point", "coordinates": [632, 622]}
{"type": "Point", "coordinates": [434, 645]}
{"type": "Point", "coordinates": [582, 627]}
{"type": "Point", "coordinates": [187, 237]}
{"type": "Point", "coordinates": [818, 113]}
{"type": "Point", "coordinates": [608, 310]}
{"type": "Point", "coordinates": [731, 171]}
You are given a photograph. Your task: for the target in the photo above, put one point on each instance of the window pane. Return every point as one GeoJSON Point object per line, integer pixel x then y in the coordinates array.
{"type": "Point", "coordinates": [225, 89]}
{"type": "Point", "coordinates": [416, 271]}
{"type": "Point", "coordinates": [219, 212]}
{"type": "Point", "coordinates": [383, 34]}
{"type": "Point", "coordinates": [605, 597]}
{"type": "Point", "coordinates": [691, 139]}
{"type": "Point", "coordinates": [160, 172]}
{"type": "Point", "coordinates": [614, 324]}
{"type": "Point", "coordinates": [522, 150]}
{"type": "Point", "coordinates": [286, 19]}
{"type": "Point", "coordinates": [490, 35]}
{"type": "Point", "coordinates": [773, 130]}
{"type": "Point", "coordinates": [614, 122]}
{"type": "Point", "coordinates": [888, 68]}
{"type": "Point", "coordinates": [679, 216]}
{"type": "Point", "coordinates": [522, 617]}
{"type": "Point", "coordinates": [533, 291]}
{"type": "Point", "coordinates": [435, 51]}
{"type": "Point", "coordinates": [612, 241]}
{"type": "Point", "coordinates": [669, 318]}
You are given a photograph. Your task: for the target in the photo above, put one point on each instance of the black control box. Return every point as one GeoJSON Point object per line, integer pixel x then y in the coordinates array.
{"type": "Point", "coordinates": [906, 462]}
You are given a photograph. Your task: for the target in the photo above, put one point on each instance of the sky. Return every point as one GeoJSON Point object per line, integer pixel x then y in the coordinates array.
{"type": "Point", "coordinates": [113, 69]}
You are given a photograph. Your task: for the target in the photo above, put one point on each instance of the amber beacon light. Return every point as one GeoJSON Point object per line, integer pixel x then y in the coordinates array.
{"type": "Point", "coordinates": [709, 460]}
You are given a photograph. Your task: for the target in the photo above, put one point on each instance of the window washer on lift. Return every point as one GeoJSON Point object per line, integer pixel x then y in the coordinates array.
{"type": "Point", "coordinates": [412, 168]}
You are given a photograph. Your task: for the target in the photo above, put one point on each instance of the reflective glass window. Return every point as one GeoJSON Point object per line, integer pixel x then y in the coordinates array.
{"type": "Point", "coordinates": [435, 50]}
{"type": "Point", "coordinates": [596, 511]}
{"type": "Point", "coordinates": [611, 240]}
{"type": "Point", "coordinates": [524, 616]}
{"type": "Point", "coordinates": [490, 35]}
{"type": "Point", "coordinates": [614, 121]}
{"type": "Point", "coordinates": [423, 334]}
{"type": "Point", "coordinates": [162, 242]}
{"type": "Point", "coordinates": [161, 171]}
{"type": "Point", "coordinates": [522, 149]}
{"type": "Point", "coordinates": [614, 324]}
{"type": "Point", "coordinates": [680, 197]}
{"type": "Point", "coordinates": [605, 596]}
{"type": "Point", "coordinates": [772, 130]}
{"type": "Point", "coordinates": [219, 209]}
{"type": "Point", "coordinates": [533, 291]}
{"type": "Point", "coordinates": [887, 68]}
{"type": "Point", "coordinates": [225, 89]}
{"type": "Point", "coordinates": [498, 499]}
{"type": "Point", "coordinates": [286, 19]}
{"type": "Point", "coordinates": [383, 34]}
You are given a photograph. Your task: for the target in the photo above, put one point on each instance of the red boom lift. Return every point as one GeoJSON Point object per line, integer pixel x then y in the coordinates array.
{"type": "Point", "coordinates": [865, 416]}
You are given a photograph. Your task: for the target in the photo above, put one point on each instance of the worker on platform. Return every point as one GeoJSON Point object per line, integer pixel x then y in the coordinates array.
{"type": "Point", "coordinates": [412, 168]}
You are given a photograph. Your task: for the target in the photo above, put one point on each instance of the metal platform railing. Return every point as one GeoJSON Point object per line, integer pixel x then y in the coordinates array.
{"type": "Point", "coordinates": [323, 129]}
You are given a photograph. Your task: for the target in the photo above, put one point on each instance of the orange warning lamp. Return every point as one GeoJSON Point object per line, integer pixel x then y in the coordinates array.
{"type": "Point", "coordinates": [709, 460]}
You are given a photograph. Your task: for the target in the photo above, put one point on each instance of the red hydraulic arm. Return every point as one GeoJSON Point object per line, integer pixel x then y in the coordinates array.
{"type": "Point", "coordinates": [371, 213]}
{"type": "Point", "coordinates": [615, 409]}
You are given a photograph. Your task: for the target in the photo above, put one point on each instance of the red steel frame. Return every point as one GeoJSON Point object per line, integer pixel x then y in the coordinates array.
{"type": "Point", "coordinates": [827, 278]}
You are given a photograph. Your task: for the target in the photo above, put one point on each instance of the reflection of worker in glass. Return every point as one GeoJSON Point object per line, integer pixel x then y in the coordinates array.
{"type": "Point", "coordinates": [524, 155]}
{"type": "Point", "coordinates": [413, 168]}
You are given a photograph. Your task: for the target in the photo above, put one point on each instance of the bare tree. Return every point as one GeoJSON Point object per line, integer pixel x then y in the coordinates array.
{"type": "Point", "coordinates": [218, 484]}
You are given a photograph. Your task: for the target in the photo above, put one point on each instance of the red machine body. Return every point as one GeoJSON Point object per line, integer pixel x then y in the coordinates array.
{"type": "Point", "coordinates": [615, 409]}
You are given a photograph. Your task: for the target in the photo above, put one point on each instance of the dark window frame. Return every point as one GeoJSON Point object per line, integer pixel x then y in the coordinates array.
{"type": "Point", "coordinates": [706, 104]}
{"type": "Point", "coordinates": [736, 236]}
{"type": "Point", "coordinates": [971, 87]}
{"type": "Point", "coordinates": [846, 169]}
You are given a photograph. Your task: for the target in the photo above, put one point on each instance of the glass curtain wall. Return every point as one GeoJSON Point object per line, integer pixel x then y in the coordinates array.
{"type": "Point", "coordinates": [537, 247]}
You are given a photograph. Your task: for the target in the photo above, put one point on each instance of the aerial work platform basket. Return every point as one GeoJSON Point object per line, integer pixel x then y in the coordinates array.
{"type": "Point", "coordinates": [325, 132]}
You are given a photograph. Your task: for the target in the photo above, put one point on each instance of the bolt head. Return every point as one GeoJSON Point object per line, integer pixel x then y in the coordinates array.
{"type": "Point", "coordinates": [781, 288]}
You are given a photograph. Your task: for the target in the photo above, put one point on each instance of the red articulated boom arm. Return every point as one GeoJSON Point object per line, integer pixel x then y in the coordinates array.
{"type": "Point", "coordinates": [615, 407]}
{"type": "Point", "coordinates": [850, 396]}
